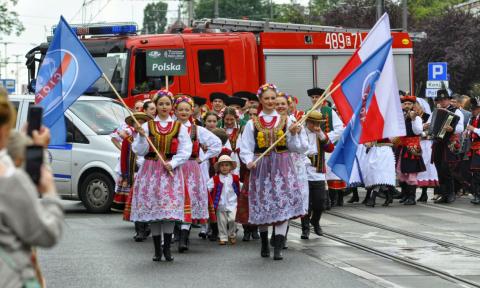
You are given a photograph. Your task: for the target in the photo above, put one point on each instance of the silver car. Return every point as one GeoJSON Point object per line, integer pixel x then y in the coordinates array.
{"type": "Point", "coordinates": [84, 168]}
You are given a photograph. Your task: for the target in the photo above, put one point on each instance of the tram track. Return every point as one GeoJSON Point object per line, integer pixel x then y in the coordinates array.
{"type": "Point", "coordinates": [405, 233]}
{"type": "Point", "coordinates": [398, 259]}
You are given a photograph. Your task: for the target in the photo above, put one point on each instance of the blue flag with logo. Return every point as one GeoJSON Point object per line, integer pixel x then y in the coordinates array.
{"type": "Point", "coordinates": [362, 81]}
{"type": "Point", "coordinates": [66, 72]}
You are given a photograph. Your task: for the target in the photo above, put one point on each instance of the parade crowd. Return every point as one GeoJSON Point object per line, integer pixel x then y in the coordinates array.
{"type": "Point", "coordinates": [185, 164]}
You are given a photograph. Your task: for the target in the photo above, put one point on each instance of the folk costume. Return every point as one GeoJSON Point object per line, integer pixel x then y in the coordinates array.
{"type": "Point", "coordinates": [158, 197]}
{"type": "Point", "coordinates": [195, 182]}
{"type": "Point", "coordinates": [410, 161]}
{"type": "Point", "coordinates": [318, 145]}
{"type": "Point", "coordinates": [445, 154]}
{"type": "Point", "coordinates": [125, 169]}
{"type": "Point", "coordinates": [274, 194]}
{"type": "Point", "coordinates": [379, 170]}
{"type": "Point", "coordinates": [224, 190]}
{"type": "Point", "coordinates": [474, 152]}
{"type": "Point", "coordinates": [333, 126]}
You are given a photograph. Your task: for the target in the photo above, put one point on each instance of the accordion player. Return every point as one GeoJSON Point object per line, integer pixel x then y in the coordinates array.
{"type": "Point", "coordinates": [441, 119]}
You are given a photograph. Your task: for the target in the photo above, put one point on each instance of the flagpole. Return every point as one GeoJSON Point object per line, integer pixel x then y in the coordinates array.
{"type": "Point", "coordinates": [136, 121]}
{"type": "Point", "coordinates": [166, 82]}
{"type": "Point", "coordinates": [317, 104]}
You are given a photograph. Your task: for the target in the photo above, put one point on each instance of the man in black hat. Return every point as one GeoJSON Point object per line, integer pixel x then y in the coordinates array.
{"type": "Point", "coordinates": [218, 100]}
{"type": "Point", "coordinates": [197, 111]}
{"type": "Point", "coordinates": [333, 126]}
{"type": "Point", "coordinates": [445, 151]}
{"type": "Point", "coordinates": [251, 99]}
{"type": "Point", "coordinates": [474, 154]}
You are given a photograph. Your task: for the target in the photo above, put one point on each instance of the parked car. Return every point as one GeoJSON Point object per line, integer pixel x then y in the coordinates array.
{"type": "Point", "coordinates": [84, 168]}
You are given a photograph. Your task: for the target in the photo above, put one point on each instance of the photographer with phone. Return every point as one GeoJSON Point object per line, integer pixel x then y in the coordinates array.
{"type": "Point", "coordinates": [25, 221]}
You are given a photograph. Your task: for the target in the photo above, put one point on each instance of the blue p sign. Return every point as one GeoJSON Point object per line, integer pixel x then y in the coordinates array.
{"type": "Point", "coordinates": [437, 71]}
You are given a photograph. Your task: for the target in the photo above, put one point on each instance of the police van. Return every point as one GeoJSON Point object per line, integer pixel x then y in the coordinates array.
{"type": "Point", "coordinates": [84, 168]}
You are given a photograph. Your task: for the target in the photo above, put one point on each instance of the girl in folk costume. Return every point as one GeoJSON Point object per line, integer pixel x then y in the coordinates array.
{"type": "Point", "coordinates": [473, 131]}
{"type": "Point", "coordinates": [195, 182]}
{"type": "Point", "coordinates": [229, 122]}
{"type": "Point", "coordinates": [428, 178]}
{"type": "Point", "coordinates": [158, 197]}
{"type": "Point", "coordinates": [224, 188]}
{"type": "Point", "coordinates": [318, 145]}
{"type": "Point", "coordinates": [275, 195]}
{"type": "Point", "coordinates": [410, 161]}
{"type": "Point", "coordinates": [333, 126]}
{"type": "Point", "coordinates": [282, 103]}
{"type": "Point", "coordinates": [293, 102]}
{"type": "Point", "coordinates": [378, 171]}
{"type": "Point", "coordinates": [129, 164]}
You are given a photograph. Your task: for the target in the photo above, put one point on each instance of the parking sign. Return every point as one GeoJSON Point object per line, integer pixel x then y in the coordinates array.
{"type": "Point", "coordinates": [437, 71]}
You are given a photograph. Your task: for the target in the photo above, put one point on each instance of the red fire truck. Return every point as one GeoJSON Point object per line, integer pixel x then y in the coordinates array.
{"type": "Point", "coordinates": [228, 55]}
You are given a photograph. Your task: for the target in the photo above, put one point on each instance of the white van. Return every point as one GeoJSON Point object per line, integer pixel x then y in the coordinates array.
{"type": "Point", "coordinates": [84, 168]}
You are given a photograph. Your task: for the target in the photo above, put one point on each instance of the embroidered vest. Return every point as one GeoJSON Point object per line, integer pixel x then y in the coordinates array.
{"type": "Point", "coordinates": [165, 142]}
{"type": "Point", "coordinates": [216, 192]}
{"type": "Point", "coordinates": [233, 137]}
{"type": "Point", "coordinates": [264, 137]}
{"type": "Point", "coordinates": [195, 143]}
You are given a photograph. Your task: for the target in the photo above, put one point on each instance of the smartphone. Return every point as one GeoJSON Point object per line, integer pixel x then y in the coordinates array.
{"type": "Point", "coordinates": [34, 161]}
{"type": "Point", "coordinates": [35, 114]}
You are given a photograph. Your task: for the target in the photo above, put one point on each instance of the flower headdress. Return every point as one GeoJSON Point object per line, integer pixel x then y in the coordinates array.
{"type": "Point", "coordinates": [265, 87]}
{"type": "Point", "coordinates": [162, 93]}
{"type": "Point", "coordinates": [181, 99]}
{"type": "Point", "coordinates": [286, 96]}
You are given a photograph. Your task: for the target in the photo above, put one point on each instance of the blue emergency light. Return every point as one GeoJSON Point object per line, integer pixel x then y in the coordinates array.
{"type": "Point", "coordinates": [104, 29]}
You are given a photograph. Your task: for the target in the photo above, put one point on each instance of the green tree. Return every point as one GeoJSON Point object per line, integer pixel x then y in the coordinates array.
{"type": "Point", "coordinates": [452, 37]}
{"type": "Point", "coordinates": [422, 9]}
{"type": "Point", "coordinates": [9, 22]}
{"type": "Point", "coordinates": [290, 13]}
{"type": "Point", "coordinates": [238, 9]}
{"type": "Point", "coordinates": [154, 18]}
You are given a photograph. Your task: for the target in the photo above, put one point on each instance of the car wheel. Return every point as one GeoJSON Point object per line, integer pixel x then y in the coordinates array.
{"type": "Point", "coordinates": [97, 192]}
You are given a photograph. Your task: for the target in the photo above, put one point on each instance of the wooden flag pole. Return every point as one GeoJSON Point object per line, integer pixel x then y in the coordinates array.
{"type": "Point", "coordinates": [166, 82]}
{"type": "Point", "coordinates": [317, 104]}
{"type": "Point", "coordinates": [136, 121]}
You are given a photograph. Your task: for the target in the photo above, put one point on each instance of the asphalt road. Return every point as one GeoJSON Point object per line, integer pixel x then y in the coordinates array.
{"type": "Point", "coordinates": [98, 251]}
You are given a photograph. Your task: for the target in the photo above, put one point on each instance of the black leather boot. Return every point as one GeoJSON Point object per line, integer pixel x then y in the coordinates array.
{"type": "Point", "coordinates": [476, 199]}
{"type": "Point", "coordinates": [333, 197]}
{"type": "Point", "coordinates": [411, 195]}
{"type": "Point", "coordinates": [405, 192]}
{"type": "Point", "coordinates": [367, 196]}
{"type": "Point", "coordinates": [183, 242]}
{"type": "Point", "coordinates": [388, 196]}
{"type": "Point", "coordinates": [277, 249]}
{"type": "Point", "coordinates": [354, 197]}
{"type": "Point", "coordinates": [142, 233]}
{"type": "Point", "coordinates": [265, 250]}
{"type": "Point", "coordinates": [305, 227]}
{"type": "Point", "coordinates": [340, 198]}
{"type": "Point", "coordinates": [213, 237]}
{"type": "Point", "coordinates": [424, 196]}
{"type": "Point", "coordinates": [246, 233]}
{"type": "Point", "coordinates": [272, 237]}
{"type": "Point", "coordinates": [371, 200]}
{"type": "Point", "coordinates": [157, 244]}
{"type": "Point", "coordinates": [254, 232]}
{"type": "Point", "coordinates": [167, 241]}
{"type": "Point", "coordinates": [315, 221]}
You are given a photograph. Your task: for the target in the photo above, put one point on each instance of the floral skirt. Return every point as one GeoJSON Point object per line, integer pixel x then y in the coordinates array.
{"type": "Point", "coordinates": [301, 170]}
{"type": "Point", "coordinates": [196, 186]}
{"type": "Point", "coordinates": [157, 196]}
{"type": "Point", "coordinates": [275, 194]}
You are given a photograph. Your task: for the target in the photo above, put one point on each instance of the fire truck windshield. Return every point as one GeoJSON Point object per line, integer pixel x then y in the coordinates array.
{"type": "Point", "coordinates": [114, 66]}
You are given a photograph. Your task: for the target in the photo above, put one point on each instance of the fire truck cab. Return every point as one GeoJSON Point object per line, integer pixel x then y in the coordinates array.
{"type": "Point", "coordinates": [227, 56]}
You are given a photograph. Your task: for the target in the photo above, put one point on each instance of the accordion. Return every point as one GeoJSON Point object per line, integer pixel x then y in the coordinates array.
{"type": "Point", "coordinates": [441, 119]}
